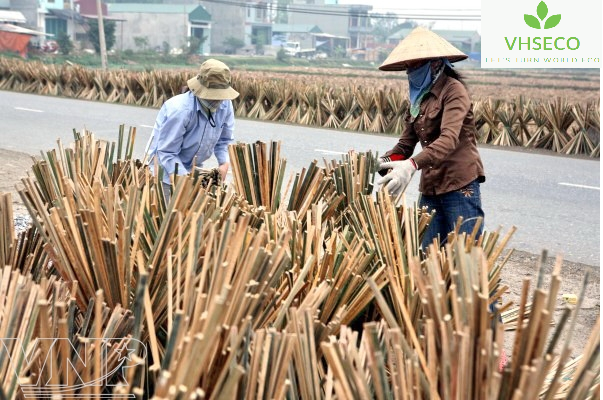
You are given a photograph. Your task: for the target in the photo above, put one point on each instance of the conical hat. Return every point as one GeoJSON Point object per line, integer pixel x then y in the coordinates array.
{"type": "Point", "coordinates": [420, 44]}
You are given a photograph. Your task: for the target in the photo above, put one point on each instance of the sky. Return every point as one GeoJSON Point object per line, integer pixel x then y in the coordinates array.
{"type": "Point", "coordinates": [444, 7]}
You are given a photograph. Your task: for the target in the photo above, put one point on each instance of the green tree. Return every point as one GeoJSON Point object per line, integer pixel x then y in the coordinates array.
{"type": "Point", "coordinates": [382, 56]}
{"type": "Point", "coordinates": [282, 56]}
{"type": "Point", "coordinates": [233, 44]}
{"type": "Point", "coordinates": [258, 42]}
{"type": "Point", "coordinates": [141, 42]}
{"type": "Point", "coordinates": [94, 38]}
{"type": "Point", "coordinates": [339, 52]}
{"type": "Point", "coordinates": [193, 45]}
{"type": "Point", "coordinates": [65, 43]}
{"type": "Point", "coordinates": [165, 48]}
{"type": "Point", "coordinates": [387, 25]}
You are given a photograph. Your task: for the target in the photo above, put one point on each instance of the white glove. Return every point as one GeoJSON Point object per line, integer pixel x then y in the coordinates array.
{"type": "Point", "coordinates": [399, 177]}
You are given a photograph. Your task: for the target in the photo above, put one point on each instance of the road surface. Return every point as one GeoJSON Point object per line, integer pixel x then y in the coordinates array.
{"type": "Point", "coordinates": [554, 201]}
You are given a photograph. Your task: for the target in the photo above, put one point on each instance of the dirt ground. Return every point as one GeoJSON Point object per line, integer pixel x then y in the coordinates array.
{"type": "Point", "coordinates": [521, 265]}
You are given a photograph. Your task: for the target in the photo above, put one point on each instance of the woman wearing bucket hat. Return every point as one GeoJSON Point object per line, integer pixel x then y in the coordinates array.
{"type": "Point", "coordinates": [440, 116]}
{"type": "Point", "coordinates": [196, 124]}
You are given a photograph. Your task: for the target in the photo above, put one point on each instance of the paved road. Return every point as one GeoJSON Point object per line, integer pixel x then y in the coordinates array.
{"type": "Point", "coordinates": [554, 201]}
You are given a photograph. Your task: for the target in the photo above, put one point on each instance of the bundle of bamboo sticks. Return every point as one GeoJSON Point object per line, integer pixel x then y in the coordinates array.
{"type": "Point", "coordinates": [554, 124]}
{"type": "Point", "coordinates": [234, 292]}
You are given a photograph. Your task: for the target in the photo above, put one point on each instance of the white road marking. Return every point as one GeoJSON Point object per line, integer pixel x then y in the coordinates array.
{"type": "Point", "coordinates": [28, 109]}
{"type": "Point", "coordinates": [580, 186]}
{"type": "Point", "coordinates": [146, 126]}
{"type": "Point", "coordinates": [329, 151]}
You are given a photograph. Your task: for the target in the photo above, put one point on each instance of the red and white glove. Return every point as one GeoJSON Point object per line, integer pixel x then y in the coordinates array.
{"type": "Point", "coordinates": [384, 159]}
{"type": "Point", "coordinates": [399, 177]}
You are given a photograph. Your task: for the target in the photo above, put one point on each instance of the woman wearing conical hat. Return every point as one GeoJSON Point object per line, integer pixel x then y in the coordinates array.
{"type": "Point", "coordinates": [441, 118]}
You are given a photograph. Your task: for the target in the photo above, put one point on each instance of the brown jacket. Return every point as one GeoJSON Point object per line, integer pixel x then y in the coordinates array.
{"type": "Point", "coordinates": [446, 128]}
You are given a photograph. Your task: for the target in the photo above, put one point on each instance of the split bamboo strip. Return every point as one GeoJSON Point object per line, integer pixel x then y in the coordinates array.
{"type": "Point", "coordinates": [234, 300]}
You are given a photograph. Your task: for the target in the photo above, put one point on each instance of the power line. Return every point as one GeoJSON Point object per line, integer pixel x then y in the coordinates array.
{"type": "Point", "coordinates": [347, 13]}
{"type": "Point", "coordinates": [403, 10]}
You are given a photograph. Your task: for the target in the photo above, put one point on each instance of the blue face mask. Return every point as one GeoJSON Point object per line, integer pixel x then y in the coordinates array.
{"type": "Point", "coordinates": [419, 82]}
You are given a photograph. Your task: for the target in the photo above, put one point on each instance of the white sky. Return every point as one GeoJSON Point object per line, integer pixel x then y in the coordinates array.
{"type": "Point", "coordinates": [445, 7]}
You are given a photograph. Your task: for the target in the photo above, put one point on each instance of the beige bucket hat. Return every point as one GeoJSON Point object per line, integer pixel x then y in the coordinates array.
{"type": "Point", "coordinates": [421, 44]}
{"type": "Point", "coordinates": [213, 82]}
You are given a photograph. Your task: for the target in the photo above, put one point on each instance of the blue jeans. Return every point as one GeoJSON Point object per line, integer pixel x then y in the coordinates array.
{"type": "Point", "coordinates": [465, 202]}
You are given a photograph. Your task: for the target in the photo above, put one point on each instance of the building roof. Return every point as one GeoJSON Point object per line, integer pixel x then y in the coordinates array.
{"type": "Point", "coordinates": [199, 14]}
{"type": "Point", "coordinates": [151, 8]}
{"type": "Point", "coordinates": [329, 36]}
{"type": "Point", "coordinates": [105, 17]}
{"type": "Point", "coordinates": [20, 29]}
{"type": "Point", "coordinates": [450, 35]}
{"type": "Point", "coordinates": [12, 16]}
{"type": "Point", "coordinates": [296, 28]}
{"type": "Point", "coordinates": [67, 14]}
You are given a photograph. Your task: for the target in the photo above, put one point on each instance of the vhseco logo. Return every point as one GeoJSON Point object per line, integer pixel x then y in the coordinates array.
{"type": "Point", "coordinates": [541, 34]}
{"type": "Point", "coordinates": [542, 43]}
{"type": "Point", "coordinates": [542, 10]}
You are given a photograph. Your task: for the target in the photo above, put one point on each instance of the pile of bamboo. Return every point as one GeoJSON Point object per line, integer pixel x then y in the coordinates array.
{"type": "Point", "coordinates": [231, 291]}
{"type": "Point", "coordinates": [554, 124]}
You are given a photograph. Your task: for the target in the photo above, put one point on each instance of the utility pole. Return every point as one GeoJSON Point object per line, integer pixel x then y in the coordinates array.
{"type": "Point", "coordinates": [101, 34]}
{"type": "Point", "coordinates": [72, 9]}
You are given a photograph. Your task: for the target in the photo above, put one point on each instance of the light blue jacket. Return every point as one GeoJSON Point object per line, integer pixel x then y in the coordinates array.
{"type": "Point", "coordinates": [182, 132]}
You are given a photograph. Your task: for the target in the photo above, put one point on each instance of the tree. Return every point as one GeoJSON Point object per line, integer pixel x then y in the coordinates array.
{"type": "Point", "coordinates": [233, 44]}
{"type": "Point", "coordinates": [65, 43]}
{"type": "Point", "coordinates": [109, 34]}
{"type": "Point", "coordinates": [339, 52]}
{"type": "Point", "coordinates": [193, 44]}
{"type": "Point", "coordinates": [282, 55]}
{"type": "Point", "coordinates": [165, 48]}
{"type": "Point", "coordinates": [387, 25]}
{"type": "Point", "coordinates": [258, 40]}
{"type": "Point", "coordinates": [141, 42]}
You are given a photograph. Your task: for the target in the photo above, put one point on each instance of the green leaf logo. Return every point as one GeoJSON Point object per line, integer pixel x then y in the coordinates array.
{"type": "Point", "coordinates": [542, 10]}
{"type": "Point", "coordinates": [553, 21]}
{"type": "Point", "coordinates": [532, 21]}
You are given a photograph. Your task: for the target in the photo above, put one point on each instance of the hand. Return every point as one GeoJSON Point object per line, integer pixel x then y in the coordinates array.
{"type": "Point", "coordinates": [399, 177]}
{"type": "Point", "coordinates": [223, 168]}
{"type": "Point", "coordinates": [382, 160]}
